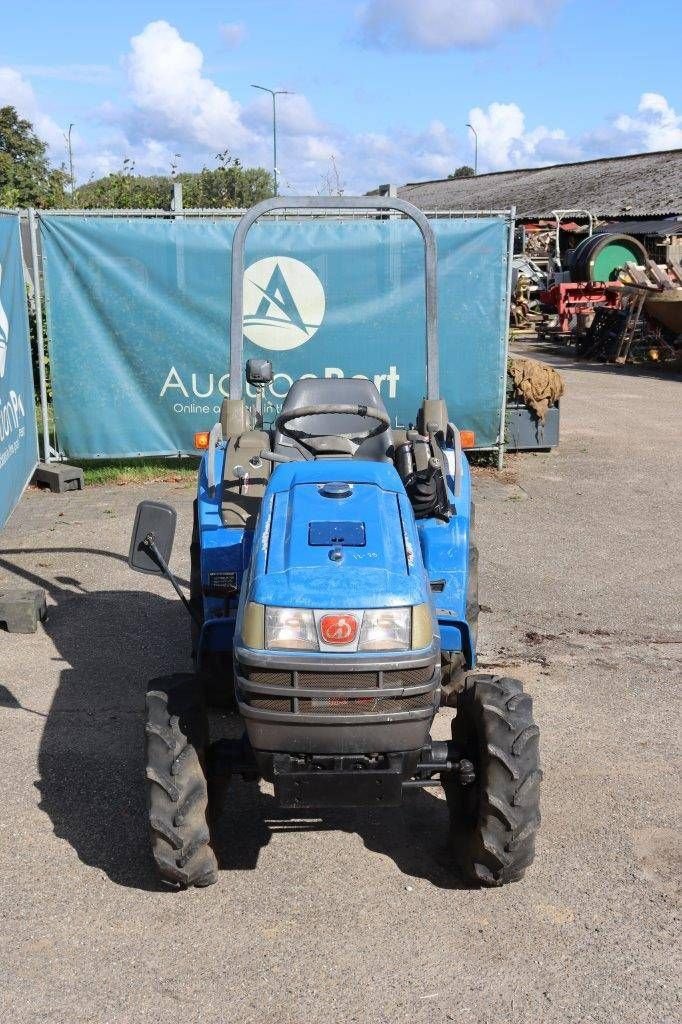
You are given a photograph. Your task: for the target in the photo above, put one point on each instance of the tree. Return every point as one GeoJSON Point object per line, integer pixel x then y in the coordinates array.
{"type": "Point", "coordinates": [463, 172]}
{"type": "Point", "coordinates": [26, 178]}
{"type": "Point", "coordinates": [228, 185]}
{"type": "Point", "coordinates": [332, 183]}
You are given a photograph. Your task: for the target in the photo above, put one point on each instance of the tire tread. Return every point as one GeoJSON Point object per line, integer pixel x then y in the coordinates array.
{"type": "Point", "coordinates": [494, 827]}
{"type": "Point", "coordinates": [176, 733]}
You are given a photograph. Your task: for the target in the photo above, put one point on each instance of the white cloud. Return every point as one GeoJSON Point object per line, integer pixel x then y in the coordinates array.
{"type": "Point", "coordinates": [233, 34]}
{"type": "Point", "coordinates": [295, 115]}
{"type": "Point", "coordinates": [504, 142]}
{"type": "Point", "coordinates": [171, 97]}
{"type": "Point", "coordinates": [17, 92]}
{"type": "Point", "coordinates": [656, 126]}
{"type": "Point", "coordinates": [90, 74]}
{"type": "Point", "coordinates": [403, 155]}
{"type": "Point", "coordinates": [446, 24]}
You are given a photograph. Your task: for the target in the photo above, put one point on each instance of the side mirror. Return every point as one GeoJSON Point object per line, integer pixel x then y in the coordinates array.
{"type": "Point", "coordinates": [258, 371]}
{"type": "Point", "coordinates": [153, 535]}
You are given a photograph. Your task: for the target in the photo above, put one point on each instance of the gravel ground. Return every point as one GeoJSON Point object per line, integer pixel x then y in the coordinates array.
{"type": "Point", "coordinates": [356, 916]}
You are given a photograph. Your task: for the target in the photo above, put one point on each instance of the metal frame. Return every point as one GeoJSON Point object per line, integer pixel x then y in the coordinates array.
{"type": "Point", "coordinates": [341, 208]}
{"type": "Point", "coordinates": [37, 291]}
{"type": "Point", "coordinates": [40, 333]}
{"type": "Point", "coordinates": [318, 203]}
{"type": "Point", "coordinates": [559, 215]}
{"type": "Point", "coordinates": [234, 213]}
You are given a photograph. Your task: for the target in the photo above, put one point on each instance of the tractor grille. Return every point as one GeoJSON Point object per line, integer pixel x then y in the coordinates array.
{"type": "Point", "coordinates": [339, 680]}
{"type": "Point", "coordinates": [270, 703]}
{"type": "Point", "coordinates": [408, 677]}
{"type": "Point", "coordinates": [338, 706]}
{"type": "Point", "coordinates": [368, 706]}
{"type": "Point", "coordinates": [265, 676]}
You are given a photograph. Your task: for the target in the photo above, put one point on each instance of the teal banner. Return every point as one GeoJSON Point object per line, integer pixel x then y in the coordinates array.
{"type": "Point", "coordinates": [138, 320]}
{"type": "Point", "coordinates": [18, 435]}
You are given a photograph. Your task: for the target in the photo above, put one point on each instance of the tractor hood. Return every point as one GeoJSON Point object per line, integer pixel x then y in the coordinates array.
{"type": "Point", "coordinates": [336, 534]}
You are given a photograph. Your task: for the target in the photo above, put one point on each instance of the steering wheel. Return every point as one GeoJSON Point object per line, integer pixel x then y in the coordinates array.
{"type": "Point", "coordinates": [324, 444]}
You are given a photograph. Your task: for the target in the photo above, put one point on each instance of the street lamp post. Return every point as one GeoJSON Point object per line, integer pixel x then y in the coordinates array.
{"type": "Point", "coordinates": [475, 147]}
{"type": "Point", "coordinates": [274, 93]}
{"type": "Point", "coordinates": [68, 145]}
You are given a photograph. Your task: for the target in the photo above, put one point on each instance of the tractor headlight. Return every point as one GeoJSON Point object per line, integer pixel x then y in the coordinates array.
{"type": "Point", "coordinates": [290, 629]}
{"type": "Point", "coordinates": [376, 629]}
{"type": "Point", "coordinates": [386, 629]}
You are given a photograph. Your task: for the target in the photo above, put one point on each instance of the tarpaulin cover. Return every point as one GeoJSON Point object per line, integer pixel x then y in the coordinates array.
{"type": "Point", "coordinates": [18, 435]}
{"type": "Point", "coordinates": [138, 320]}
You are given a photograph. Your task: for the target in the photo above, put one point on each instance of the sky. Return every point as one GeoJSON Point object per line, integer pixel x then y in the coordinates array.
{"type": "Point", "coordinates": [379, 91]}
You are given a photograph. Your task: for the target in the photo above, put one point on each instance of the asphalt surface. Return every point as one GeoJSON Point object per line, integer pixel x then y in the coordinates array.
{"type": "Point", "coordinates": [357, 916]}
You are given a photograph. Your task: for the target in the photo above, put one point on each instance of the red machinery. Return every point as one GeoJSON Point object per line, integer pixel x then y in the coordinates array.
{"type": "Point", "coordinates": [574, 297]}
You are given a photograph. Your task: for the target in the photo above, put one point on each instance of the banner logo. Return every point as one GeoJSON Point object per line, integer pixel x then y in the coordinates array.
{"type": "Point", "coordinates": [284, 303]}
{"type": "Point", "coordinates": [4, 334]}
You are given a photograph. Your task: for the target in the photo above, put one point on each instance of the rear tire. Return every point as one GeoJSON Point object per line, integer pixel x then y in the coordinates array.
{"type": "Point", "coordinates": [177, 796]}
{"type": "Point", "coordinates": [494, 820]}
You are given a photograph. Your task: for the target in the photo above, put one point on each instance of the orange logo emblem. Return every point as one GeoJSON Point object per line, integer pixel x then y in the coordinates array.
{"type": "Point", "coordinates": [338, 628]}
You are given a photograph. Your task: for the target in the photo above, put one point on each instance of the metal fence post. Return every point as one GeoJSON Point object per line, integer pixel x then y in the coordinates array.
{"type": "Point", "coordinates": [40, 333]}
{"type": "Point", "coordinates": [507, 313]}
{"type": "Point", "coordinates": [177, 209]}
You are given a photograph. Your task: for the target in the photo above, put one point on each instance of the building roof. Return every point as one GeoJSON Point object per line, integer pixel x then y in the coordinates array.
{"type": "Point", "coordinates": [646, 184]}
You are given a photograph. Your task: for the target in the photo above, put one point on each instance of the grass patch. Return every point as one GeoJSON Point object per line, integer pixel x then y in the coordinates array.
{"type": "Point", "coordinates": [159, 469]}
{"type": "Point", "coordinates": [138, 471]}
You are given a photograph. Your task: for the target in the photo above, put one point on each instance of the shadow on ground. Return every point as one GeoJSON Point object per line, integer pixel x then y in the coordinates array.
{"type": "Point", "coordinates": [563, 357]}
{"type": "Point", "coordinates": [91, 766]}
{"type": "Point", "coordinates": [414, 836]}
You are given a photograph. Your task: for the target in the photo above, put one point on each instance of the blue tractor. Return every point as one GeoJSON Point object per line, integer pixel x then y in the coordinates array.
{"type": "Point", "coordinates": [334, 606]}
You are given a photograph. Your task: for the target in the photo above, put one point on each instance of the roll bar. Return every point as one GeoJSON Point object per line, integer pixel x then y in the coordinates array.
{"type": "Point", "coordinates": [332, 203]}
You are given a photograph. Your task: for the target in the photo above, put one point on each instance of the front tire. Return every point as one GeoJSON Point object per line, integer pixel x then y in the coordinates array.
{"type": "Point", "coordinates": [494, 820]}
{"type": "Point", "coordinates": [177, 735]}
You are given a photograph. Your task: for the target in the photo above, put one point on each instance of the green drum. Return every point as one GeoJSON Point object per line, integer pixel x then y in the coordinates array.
{"type": "Point", "coordinates": [601, 257]}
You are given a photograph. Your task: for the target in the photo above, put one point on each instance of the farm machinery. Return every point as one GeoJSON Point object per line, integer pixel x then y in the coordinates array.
{"type": "Point", "coordinates": [334, 607]}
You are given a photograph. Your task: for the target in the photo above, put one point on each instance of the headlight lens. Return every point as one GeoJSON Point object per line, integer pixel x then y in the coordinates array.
{"type": "Point", "coordinates": [290, 629]}
{"type": "Point", "coordinates": [295, 629]}
{"type": "Point", "coordinates": [385, 629]}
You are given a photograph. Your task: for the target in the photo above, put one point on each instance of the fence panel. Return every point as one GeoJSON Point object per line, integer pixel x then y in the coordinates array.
{"type": "Point", "coordinates": [18, 434]}
{"type": "Point", "coordinates": [138, 319]}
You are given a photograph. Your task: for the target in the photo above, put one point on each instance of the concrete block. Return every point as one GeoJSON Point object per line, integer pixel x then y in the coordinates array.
{"type": "Point", "coordinates": [59, 477]}
{"type": "Point", "coordinates": [22, 610]}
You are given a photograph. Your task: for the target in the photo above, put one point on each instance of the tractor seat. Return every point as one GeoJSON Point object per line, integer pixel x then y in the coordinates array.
{"type": "Point", "coordinates": [334, 391]}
